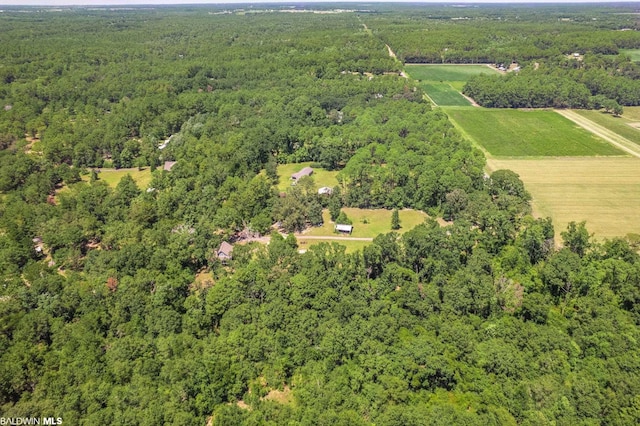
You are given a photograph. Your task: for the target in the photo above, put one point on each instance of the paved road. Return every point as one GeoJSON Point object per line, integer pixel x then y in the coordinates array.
{"type": "Point", "coordinates": [613, 138]}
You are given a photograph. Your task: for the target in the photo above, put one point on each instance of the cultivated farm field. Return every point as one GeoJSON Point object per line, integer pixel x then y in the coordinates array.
{"type": "Point", "coordinates": [447, 72]}
{"type": "Point", "coordinates": [603, 191]}
{"type": "Point", "coordinates": [632, 113]}
{"type": "Point", "coordinates": [518, 133]}
{"type": "Point", "coordinates": [444, 94]}
{"type": "Point", "coordinates": [623, 126]}
{"type": "Point", "coordinates": [443, 83]}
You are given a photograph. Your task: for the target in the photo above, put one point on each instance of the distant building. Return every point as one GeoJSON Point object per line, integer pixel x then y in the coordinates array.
{"type": "Point", "coordinates": [325, 190]}
{"type": "Point", "coordinates": [344, 229]}
{"type": "Point", "coordinates": [224, 252]}
{"type": "Point", "coordinates": [307, 171]}
{"type": "Point", "coordinates": [168, 165]}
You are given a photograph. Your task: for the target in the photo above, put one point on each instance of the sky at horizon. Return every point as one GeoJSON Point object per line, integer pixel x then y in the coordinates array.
{"type": "Point", "coordinates": [178, 2]}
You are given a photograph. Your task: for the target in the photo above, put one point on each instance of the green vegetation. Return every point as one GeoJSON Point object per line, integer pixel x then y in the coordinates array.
{"type": "Point", "coordinates": [443, 83]}
{"type": "Point", "coordinates": [510, 133]}
{"type": "Point", "coordinates": [369, 223]}
{"type": "Point", "coordinates": [634, 54]}
{"type": "Point", "coordinates": [447, 72]}
{"type": "Point", "coordinates": [127, 307]}
{"type": "Point", "coordinates": [623, 126]}
{"type": "Point", "coordinates": [320, 176]}
{"type": "Point", "coordinates": [443, 94]}
{"type": "Point", "coordinates": [112, 177]}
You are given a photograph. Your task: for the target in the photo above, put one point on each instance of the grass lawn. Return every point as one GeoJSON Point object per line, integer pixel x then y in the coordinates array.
{"type": "Point", "coordinates": [443, 94]}
{"type": "Point", "coordinates": [321, 177]}
{"type": "Point", "coordinates": [634, 54]}
{"type": "Point", "coordinates": [518, 133]}
{"type": "Point", "coordinates": [447, 72]}
{"type": "Point", "coordinates": [379, 222]}
{"type": "Point", "coordinates": [112, 176]}
{"type": "Point", "coordinates": [620, 125]}
{"type": "Point", "coordinates": [603, 191]}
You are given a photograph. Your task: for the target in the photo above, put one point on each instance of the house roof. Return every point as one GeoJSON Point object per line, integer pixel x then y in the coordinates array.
{"type": "Point", "coordinates": [307, 171]}
{"type": "Point", "coordinates": [344, 228]}
{"type": "Point", "coordinates": [168, 165]}
{"type": "Point", "coordinates": [225, 249]}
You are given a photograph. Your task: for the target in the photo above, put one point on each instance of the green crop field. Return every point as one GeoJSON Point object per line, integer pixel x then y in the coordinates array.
{"type": "Point", "coordinates": [442, 94]}
{"type": "Point", "coordinates": [603, 191]}
{"type": "Point", "coordinates": [320, 177]}
{"type": "Point", "coordinates": [447, 72]}
{"type": "Point", "coordinates": [517, 133]}
{"type": "Point", "coordinates": [623, 126]}
{"type": "Point", "coordinates": [634, 54]}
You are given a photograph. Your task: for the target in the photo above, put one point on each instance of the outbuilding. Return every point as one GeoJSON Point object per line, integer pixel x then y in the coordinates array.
{"type": "Point", "coordinates": [307, 171]}
{"type": "Point", "coordinates": [224, 252]}
{"type": "Point", "coordinates": [344, 229]}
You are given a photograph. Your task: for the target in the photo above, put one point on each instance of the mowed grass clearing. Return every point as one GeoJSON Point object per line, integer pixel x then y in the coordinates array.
{"type": "Point", "coordinates": [634, 54]}
{"type": "Point", "coordinates": [447, 72]}
{"type": "Point", "coordinates": [320, 177]}
{"type": "Point", "coordinates": [519, 133]}
{"type": "Point", "coordinates": [603, 191]}
{"type": "Point", "coordinates": [623, 126]}
{"type": "Point", "coordinates": [112, 176]}
{"type": "Point", "coordinates": [443, 94]}
{"type": "Point", "coordinates": [368, 223]}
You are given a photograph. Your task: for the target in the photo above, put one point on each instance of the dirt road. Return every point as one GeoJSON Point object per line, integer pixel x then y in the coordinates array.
{"type": "Point", "coordinates": [613, 138]}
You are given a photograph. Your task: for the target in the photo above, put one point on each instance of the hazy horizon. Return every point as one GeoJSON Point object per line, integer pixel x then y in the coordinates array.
{"type": "Point", "coordinates": [185, 2]}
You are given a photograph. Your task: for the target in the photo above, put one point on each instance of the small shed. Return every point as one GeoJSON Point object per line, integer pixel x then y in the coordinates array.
{"type": "Point", "coordinates": [344, 229]}
{"type": "Point", "coordinates": [224, 252]}
{"type": "Point", "coordinates": [168, 165]}
{"type": "Point", "coordinates": [325, 190]}
{"type": "Point", "coordinates": [307, 171]}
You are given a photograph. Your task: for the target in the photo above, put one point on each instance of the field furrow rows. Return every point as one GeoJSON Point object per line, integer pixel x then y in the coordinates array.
{"type": "Point", "coordinates": [598, 130]}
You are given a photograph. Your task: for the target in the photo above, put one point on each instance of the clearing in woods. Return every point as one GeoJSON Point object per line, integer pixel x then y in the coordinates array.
{"type": "Point", "coordinates": [436, 72]}
{"type": "Point", "coordinates": [321, 177]}
{"type": "Point", "coordinates": [112, 176]}
{"type": "Point", "coordinates": [443, 83]}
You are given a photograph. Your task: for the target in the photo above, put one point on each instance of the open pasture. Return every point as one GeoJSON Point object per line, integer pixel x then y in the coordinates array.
{"type": "Point", "coordinates": [447, 72]}
{"type": "Point", "coordinates": [603, 191]}
{"type": "Point", "coordinates": [320, 177]}
{"type": "Point", "coordinates": [443, 94]}
{"type": "Point", "coordinates": [519, 133]}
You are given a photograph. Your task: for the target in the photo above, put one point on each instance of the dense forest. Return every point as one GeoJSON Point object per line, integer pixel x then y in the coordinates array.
{"type": "Point", "coordinates": [482, 318]}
